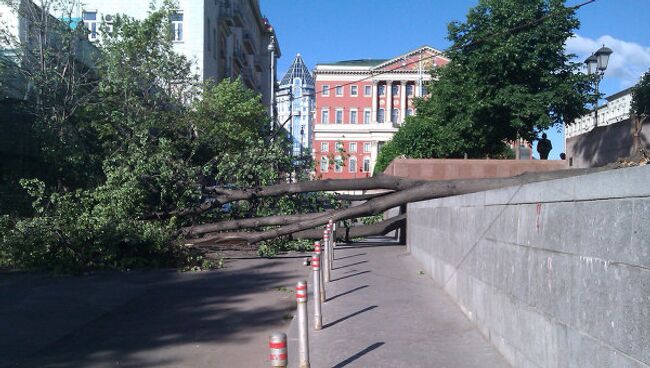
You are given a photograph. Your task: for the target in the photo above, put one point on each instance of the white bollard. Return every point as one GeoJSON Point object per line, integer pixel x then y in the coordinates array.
{"type": "Point", "coordinates": [317, 250]}
{"type": "Point", "coordinates": [326, 259]}
{"type": "Point", "coordinates": [278, 348]}
{"type": "Point", "coordinates": [315, 266]}
{"type": "Point", "coordinates": [303, 336]}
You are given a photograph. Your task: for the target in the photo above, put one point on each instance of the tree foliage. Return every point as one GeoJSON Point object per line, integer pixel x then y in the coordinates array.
{"type": "Point", "coordinates": [641, 96]}
{"type": "Point", "coordinates": [509, 77]}
{"type": "Point", "coordinates": [158, 137]}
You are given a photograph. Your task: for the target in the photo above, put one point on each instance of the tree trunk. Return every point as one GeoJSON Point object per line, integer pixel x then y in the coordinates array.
{"type": "Point", "coordinates": [423, 191]}
{"type": "Point", "coordinates": [347, 233]}
{"type": "Point", "coordinates": [229, 195]}
{"type": "Point", "coordinates": [248, 223]}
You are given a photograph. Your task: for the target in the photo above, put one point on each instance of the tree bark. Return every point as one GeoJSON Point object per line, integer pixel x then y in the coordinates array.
{"type": "Point", "coordinates": [423, 191]}
{"type": "Point", "coordinates": [229, 195]}
{"type": "Point", "coordinates": [347, 233]}
{"type": "Point", "coordinates": [248, 223]}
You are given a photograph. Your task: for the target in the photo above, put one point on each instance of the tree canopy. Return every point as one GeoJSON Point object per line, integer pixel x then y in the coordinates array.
{"type": "Point", "coordinates": [145, 136]}
{"type": "Point", "coordinates": [509, 77]}
{"type": "Point", "coordinates": [641, 96]}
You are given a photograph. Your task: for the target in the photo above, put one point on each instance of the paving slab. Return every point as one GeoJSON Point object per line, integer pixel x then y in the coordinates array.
{"type": "Point", "coordinates": [383, 311]}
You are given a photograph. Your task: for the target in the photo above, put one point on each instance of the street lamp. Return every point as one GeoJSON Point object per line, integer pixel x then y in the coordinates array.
{"type": "Point", "coordinates": [596, 65]}
{"type": "Point", "coordinates": [271, 49]}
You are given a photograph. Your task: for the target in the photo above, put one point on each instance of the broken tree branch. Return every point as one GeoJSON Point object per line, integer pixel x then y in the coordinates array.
{"type": "Point", "coordinates": [230, 195]}
{"type": "Point", "coordinates": [248, 223]}
{"type": "Point", "coordinates": [427, 190]}
{"type": "Point", "coordinates": [347, 233]}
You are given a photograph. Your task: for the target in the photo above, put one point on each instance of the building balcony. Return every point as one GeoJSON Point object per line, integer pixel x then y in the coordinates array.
{"type": "Point", "coordinates": [249, 43]}
{"type": "Point", "coordinates": [226, 14]}
{"type": "Point", "coordinates": [239, 56]}
{"type": "Point", "coordinates": [237, 14]}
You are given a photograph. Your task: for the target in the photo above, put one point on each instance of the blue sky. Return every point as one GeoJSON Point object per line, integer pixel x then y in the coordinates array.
{"type": "Point", "coordinates": [331, 30]}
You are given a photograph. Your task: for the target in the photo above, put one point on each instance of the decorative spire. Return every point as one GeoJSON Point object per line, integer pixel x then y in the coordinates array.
{"type": "Point", "coordinates": [298, 69]}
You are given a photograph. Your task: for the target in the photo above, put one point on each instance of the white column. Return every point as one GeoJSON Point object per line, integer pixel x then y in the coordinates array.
{"type": "Point", "coordinates": [402, 101]}
{"type": "Point", "coordinates": [389, 102]}
{"type": "Point", "coordinates": [373, 117]}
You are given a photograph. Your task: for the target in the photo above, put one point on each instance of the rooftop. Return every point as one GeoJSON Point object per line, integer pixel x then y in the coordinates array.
{"type": "Point", "coordinates": [357, 62]}
{"type": "Point", "coordinates": [298, 69]}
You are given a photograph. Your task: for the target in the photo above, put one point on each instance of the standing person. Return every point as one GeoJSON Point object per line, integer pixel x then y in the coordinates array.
{"type": "Point", "coordinates": [544, 147]}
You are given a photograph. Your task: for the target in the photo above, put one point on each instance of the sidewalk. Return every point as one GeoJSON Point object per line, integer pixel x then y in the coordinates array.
{"type": "Point", "coordinates": [381, 312]}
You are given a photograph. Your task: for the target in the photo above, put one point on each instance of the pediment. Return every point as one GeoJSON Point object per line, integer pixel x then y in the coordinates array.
{"type": "Point", "coordinates": [410, 62]}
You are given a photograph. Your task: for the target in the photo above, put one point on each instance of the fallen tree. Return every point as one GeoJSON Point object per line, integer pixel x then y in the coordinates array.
{"type": "Point", "coordinates": [405, 191]}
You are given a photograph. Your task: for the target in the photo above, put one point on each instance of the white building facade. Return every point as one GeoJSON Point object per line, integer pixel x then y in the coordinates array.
{"type": "Point", "coordinates": [224, 38]}
{"type": "Point", "coordinates": [616, 109]}
{"type": "Point", "coordinates": [295, 105]}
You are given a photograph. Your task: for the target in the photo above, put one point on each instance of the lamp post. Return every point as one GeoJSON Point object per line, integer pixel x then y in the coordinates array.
{"type": "Point", "coordinates": [596, 65]}
{"type": "Point", "coordinates": [271, 49]}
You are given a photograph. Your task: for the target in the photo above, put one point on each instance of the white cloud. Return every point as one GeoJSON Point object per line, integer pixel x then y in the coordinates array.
{"type": "Point", "coordinates": [626, 64]}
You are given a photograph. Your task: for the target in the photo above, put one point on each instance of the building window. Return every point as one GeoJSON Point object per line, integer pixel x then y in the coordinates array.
{"type": "Point", "coordinates": [325, 117]}
{"type": "Point", "coordinates": [353, 116]}
{"type": "Point", "coordinates": [380, 116]}
{"type": "Point", "coordinates": [394, 116]}
{"type": "Point", "coordinates": [366, 164]}
{"type": "Point", "coordinates": [382, 89]}
{"type": "Point", "coordinates": [338, 164]}
{"type": "Point", "coordinates": [324, 163]}
{"type": "Point", "coordinates": [324, 147]}
{"type": "Point", "coordinates": [367, 91]}
{"type": "Point", "coordinates": [409, 112]}
{"type": "Point", "coordinates": [90, 21]}
{"type": "Point", "coordinates": [354, 90]}
{"type": "Point", "coordinates": [409, 89]}
{"type": "Point", "coordinates": [366, 147]}
{"type": "Point", "coordinates": [326, 90]}
{"type": "Point", "coordinates": [339, 116]}
{"type": "Point", "coordinates": [395, 90]}
{"type": "Point", "coordinates": [339, 90]}
{"type": "Point", "coordinates": [177, 26]}
{"type": "Point", "coordinates": [353, 147]}
{"type": "Point", "coordinates": [352, 165]}
{"type": "Point", "coordinates": [339, 146]}
{"type": "Point", "coordinates": [366, 116]}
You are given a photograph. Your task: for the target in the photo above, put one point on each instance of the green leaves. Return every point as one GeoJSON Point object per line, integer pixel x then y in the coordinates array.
{"type": "Point", "coordinates": [508, 78]}
{"type": "Point", "coordinates": [641, 96]}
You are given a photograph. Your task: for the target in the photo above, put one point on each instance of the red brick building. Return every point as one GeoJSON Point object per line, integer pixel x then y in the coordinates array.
{"type": "Point", "coordinates": [360, 104]}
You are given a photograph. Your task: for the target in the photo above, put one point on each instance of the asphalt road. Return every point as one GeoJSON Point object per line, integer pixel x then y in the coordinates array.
{"type": "Point", "coordinates": [159, 318]}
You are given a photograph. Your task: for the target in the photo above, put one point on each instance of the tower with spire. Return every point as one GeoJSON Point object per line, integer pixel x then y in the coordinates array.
{"type": "Point", "coordinates": [295, 104]}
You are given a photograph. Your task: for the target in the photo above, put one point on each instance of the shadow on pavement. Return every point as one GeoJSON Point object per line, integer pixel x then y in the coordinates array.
{"type": "Point", "coordinates": [350, 256]}
{"type": "Point", "coordinates": [347, 292]}
{"type": "Point", "coordinates": [350, 265]}
{"type": "Point", "coordinates": [156, 318]}
{"type": "Point", "coordinates": [359, 354]}
{"type": "Point", "coordinates": [350, 275]}
{"type": "Point", "coordinates": [349, 316]}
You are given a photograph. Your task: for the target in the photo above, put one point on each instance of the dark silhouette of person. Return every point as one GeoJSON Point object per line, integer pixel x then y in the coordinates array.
{"type": "Point", "coordinates": [562, 156]}
{"type": "Point", "coordinates": [544, 147]}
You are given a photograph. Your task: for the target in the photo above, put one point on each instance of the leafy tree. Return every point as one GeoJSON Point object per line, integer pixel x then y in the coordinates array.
{"type": "Point", "coordinates": [163, 138]}
{"type": "Point", "coordinates": [640, 108]}
{"type": "Point", "coordinates": [500, 84]}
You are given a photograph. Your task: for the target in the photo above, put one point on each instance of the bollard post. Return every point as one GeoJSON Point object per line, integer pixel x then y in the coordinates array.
{"type": "Point", "coordinates": [303, 336]}
{"type": "Point", "coordinates": [333, 244]}
{"type": "Point", "coordinates": [326, 259]}
{"type": "Point", "coordinates": [315, 266]}
{"type": "Point", "coordinates": [278, 347]}
{"type": "Point", "coordinates": [317, 250]}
